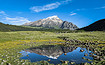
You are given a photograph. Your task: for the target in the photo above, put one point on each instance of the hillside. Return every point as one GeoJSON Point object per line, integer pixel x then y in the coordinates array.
{"type": "Point", "coordinates": [96, 26]}
{"type": "Point", "coordinates": [7, 27]}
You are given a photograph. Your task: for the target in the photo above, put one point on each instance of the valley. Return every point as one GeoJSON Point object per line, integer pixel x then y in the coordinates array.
{"type": "Point", "coordinates": [52, 32]}
{"type": "Point", "coordinates": [38, 45]}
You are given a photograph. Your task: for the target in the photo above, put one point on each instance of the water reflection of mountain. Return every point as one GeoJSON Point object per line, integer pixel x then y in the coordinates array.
{"type": "Point", "coordinates": [51, 51]}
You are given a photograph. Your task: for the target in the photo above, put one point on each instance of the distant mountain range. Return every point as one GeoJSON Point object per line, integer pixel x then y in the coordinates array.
{"type": "Point", "coordinates": [96, 26]}
{"type": "Point", "coordinates": [7, 27]}
{"type": "Point", "coordinates": [52, 22]}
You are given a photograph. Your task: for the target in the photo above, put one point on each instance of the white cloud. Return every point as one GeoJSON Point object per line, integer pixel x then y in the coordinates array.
{"type": "Point", "coordinates": [19, 12]}
{"type": "Point", "coordinates": [73, 14]}
{"type": "Point", "coordinates": [16, 20]}
{"type": "Point", "coordinates": [48, 6]}
{"type": "Point", "coordinates": [103, 7]}
{"type": "Point", "coordinates": [45, 7]}
{"type": "Point", "coordinates": [65, 1]}
{"type": "Point", "coordinates": [3, 13]}
{"type": "Point", "coordinates": [2, 16]}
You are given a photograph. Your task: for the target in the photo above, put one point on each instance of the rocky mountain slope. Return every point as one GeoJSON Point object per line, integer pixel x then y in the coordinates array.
{"type": "Point", "coordinates": [68, 25]}
{"type": "Point", "coordinates": [96, 26]}
{"type": "Point", "coordinates": [52, 22]}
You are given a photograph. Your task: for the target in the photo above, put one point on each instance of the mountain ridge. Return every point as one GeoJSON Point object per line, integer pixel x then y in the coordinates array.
{"type": "Point", "coordinates": [52, 22]}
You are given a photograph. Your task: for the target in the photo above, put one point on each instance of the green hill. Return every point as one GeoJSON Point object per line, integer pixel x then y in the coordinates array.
{"type": "Point", "coordinates": [96, 26]}
{"type": "Point", "coordinates": [7, 27]}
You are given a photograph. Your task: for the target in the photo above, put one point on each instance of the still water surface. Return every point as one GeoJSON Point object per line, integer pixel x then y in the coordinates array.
{"type": "Point", "coordinates": [56, 53]}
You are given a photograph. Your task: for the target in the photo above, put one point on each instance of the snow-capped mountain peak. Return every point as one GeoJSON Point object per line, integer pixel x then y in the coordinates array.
{"type": "Point", "coordinates": [53, 22]}
{"type": "Point", "coordinates": [53, 17]}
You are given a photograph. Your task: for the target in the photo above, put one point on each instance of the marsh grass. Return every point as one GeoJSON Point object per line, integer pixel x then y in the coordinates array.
{"type": "Point", "coordinates": [11, 43]}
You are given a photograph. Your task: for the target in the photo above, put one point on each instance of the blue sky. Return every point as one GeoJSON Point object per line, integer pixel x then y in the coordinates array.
{"type": "Point", "coordinates": [79, 12]}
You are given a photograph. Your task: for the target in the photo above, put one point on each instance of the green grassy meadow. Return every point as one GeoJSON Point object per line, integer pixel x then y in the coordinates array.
{"type": "Point", "coordinates": [11, 43]}
{"type": "Point", "coordinates": [41, 35]}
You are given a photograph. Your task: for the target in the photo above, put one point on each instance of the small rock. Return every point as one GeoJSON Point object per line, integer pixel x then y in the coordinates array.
{"type": "Point", "coordinates": [66, 62]}
{"type": "Point", "coordinates": [85, 63]}
{"type": "Point", "coordinates": [65, 53]}
{"type": "Point", "coordinates": [86, 55]}
{"type": "Point", "coordinates": [72, 62]}
{"type": "Point", "coordinates": [49, 60]}
{"type": "Point", "coordinates": [82, 50]}
{"type": "Point", "coordinates": [101, 59]}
